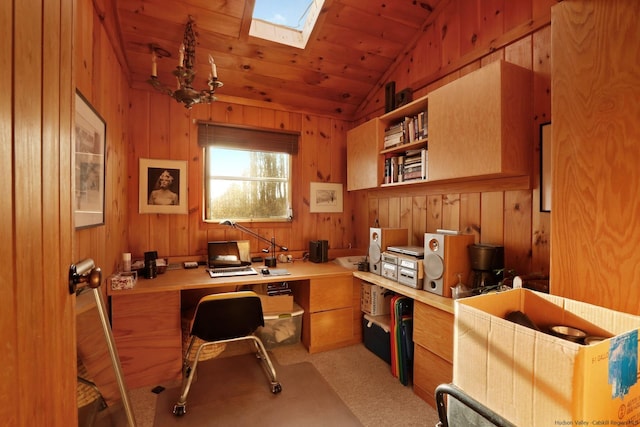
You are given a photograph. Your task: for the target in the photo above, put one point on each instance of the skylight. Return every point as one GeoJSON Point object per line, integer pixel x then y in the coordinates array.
{"type": "Point", "coordinates": [287, 22]}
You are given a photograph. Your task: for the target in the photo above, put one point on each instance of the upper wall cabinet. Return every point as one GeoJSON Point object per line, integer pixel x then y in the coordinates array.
{"type": "Point", "coordinates": [363, 159]}
{"type": "Point", "coordinates": [476, 127]}
{"type": "Point", "coordinates": [480, 124]}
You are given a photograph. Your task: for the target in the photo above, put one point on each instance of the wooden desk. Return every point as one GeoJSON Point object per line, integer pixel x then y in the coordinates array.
{"type": "Point", "coordinates": [146, 320]}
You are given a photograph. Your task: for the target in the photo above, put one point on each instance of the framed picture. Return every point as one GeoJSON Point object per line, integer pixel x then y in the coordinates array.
{"type": "Point", "coordinates": [325, 197]}
{"type": "Point", "coordinates": [545, 167]}
{"type": "Point", "coordinates": [163, 186]}
{"type": "Point", "coordinates": [88, 165]}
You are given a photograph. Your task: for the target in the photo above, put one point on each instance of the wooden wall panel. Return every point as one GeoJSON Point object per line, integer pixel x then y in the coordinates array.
{"type": "Point", "coordinates": [541, 221]}
{"type": "Point", "coordinates": [470, 214]}
{"type": "Point", "coordinates": [492, 218]}
{"type": "Point", "coordinates": [517, 230]}
{"type": "Point", "coordinates": [37, 385]}
{"type": "Point", "coordinates": [497, 217]}
{"type": "Point", "coordinates": [466, 35]}
{"type": "Point", "coordinates": [516, 12]}
{"type": "Point", "coordinates": [101, 79]}
{"type": "Point", "coordinates": [10, 380]}
{"type": "Point", "coordinates": [451, 211]}
{"type": "Point", "coordinates": [167, 130]}
{"type": "Point", "coordinates": [434, 213]}
{"type": "Point", "coordinates": [595, 153]}
{"type": "Point", "coordinates": [419, 216]}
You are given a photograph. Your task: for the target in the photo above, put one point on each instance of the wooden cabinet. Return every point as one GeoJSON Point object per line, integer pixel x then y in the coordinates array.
{"type": "Point", "coordinates": [479, 127]}
{"type": "Point", "coordinates": [433, 350]}
{"type": "Point", "coordinates": [331, 316]}
{"type": "Point", "coordinates": [433, 330]}
{"type": "Point", "coordinates": [363, 160]}
{"type": "Point", "coordinates": [429, 371]}
{"type": "Point", "coordinates": [480, 124]}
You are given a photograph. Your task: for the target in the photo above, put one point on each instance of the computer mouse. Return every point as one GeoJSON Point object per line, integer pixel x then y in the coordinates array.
{"type": "Point", "coordinates": [265, 270]}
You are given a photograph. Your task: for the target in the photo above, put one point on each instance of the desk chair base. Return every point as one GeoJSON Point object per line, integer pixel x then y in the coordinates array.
{"type": "Point", "coordinates": [189, 371]}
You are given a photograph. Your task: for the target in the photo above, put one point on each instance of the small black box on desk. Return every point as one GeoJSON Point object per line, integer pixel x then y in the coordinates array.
{"type": "Point", "coordinates": [319, 251]}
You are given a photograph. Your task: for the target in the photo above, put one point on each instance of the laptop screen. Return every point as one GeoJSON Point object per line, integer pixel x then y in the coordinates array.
{"type": "Point", "coordinates": [226, 254]}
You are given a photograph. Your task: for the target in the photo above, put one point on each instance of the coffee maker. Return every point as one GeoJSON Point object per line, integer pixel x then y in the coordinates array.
{"type": "Point", "coordinates": [487, 265]}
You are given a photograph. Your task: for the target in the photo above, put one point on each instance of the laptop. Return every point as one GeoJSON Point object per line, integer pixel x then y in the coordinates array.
{"type": "Point", "coordinates": [229, 259]}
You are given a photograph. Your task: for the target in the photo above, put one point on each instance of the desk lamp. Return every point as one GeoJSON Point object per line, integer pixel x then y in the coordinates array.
{"type": "Point", "coordinates": [269, 261]}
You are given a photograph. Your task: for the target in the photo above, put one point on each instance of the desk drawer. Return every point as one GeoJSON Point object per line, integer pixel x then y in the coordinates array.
{"type": "Point", "coordinates": [433, 329]}
{"type": "Point", "coordinates": [429, 371]}
{"type": "Point", "coordinates": [330, 293]}
{"type": "Point", "coordinates": [330, 328]}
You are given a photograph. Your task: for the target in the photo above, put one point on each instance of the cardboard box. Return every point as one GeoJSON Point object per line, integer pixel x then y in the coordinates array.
{"type": "Point", "coordinates": [276, 303]}
{"type": "Point", "coordinates": [533, 378]}
{"type": "Point", "coordinates": [373, 300]}
{"type": "Point", "coordinates": [273, 304]}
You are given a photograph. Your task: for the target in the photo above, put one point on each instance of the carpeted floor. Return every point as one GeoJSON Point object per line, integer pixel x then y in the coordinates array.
{"type": "Point", "coordinates": [234, 391]}
{"type": "Point", "coordinates": [360, 379]}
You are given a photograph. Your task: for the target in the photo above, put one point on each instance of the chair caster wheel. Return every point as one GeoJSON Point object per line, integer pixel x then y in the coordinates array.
{"type": "Point", "coordinates": [179, 410]}
{"type": "Point", "coordinates": [276, 388]}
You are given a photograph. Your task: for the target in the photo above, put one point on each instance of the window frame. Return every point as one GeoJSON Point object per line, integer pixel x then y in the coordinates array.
{"type": "Point", "coordinates": [247, 139]}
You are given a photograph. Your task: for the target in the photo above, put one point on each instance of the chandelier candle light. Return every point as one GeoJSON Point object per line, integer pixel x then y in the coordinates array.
{"type": "Point", "coordinates": [185, 73]}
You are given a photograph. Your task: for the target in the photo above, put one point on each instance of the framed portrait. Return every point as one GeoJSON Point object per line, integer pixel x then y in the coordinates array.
{"type": "Point", "coordinates": [88, 165]}
{"type": "Point", "coordinates": [325, 197]}
{"type": "Point", "coordinates": [163, 186]}
{"type": "Point", "coordinates": [545, 167]}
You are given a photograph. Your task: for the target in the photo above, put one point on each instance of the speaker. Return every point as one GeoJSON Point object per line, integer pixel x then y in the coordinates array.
{"type": "Point", "coordinates": [403, 97]}
{"type": "Point", "coordinates": [389, 97]}
{"type": "Point", "coordinates": [318, 251]}
{"type": "Point", "coordinates": [445, 256]}
{"type": "Point", "coordinates": [379, 240]}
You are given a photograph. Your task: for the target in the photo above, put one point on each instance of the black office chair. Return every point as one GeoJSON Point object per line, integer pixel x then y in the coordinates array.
{"type": "Point", "coordinates": [464, 410]}
{"type": "Point", "coordinates": [222, 318]}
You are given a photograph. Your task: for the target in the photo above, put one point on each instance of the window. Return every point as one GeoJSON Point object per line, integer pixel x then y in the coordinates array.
{"type": "Point", "coordinates": [247, 173]}
{"type": "Point", "coordinates": [287, 22]}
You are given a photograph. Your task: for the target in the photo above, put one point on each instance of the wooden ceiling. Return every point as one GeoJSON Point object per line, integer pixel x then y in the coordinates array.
{"type": "Point", "coordinates": [353, 47]}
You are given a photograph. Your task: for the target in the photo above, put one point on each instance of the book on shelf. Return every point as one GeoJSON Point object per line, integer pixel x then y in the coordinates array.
{"type": "Point", "coordinates": [409, 129]}
{"type": "Point", "coordinates": [394, 135]}
{"type": "Point", "coordinates": [404, 167]}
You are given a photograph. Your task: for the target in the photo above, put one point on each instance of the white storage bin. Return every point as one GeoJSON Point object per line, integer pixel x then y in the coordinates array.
{"type": "Point", "coordinates": [281, 329]}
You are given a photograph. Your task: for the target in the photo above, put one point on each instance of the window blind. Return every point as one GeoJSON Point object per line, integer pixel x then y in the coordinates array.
{"type": "Point", "coordinates": [246, 138]}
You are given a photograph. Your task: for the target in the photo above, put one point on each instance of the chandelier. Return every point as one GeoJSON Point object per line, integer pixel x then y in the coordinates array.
{"type": "Point", "coordinates": [185, 73]}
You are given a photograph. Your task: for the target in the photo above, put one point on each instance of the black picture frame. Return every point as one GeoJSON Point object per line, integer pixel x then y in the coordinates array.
{"type": "Point", "coordinates": [89, 169]}
{"type": "Point", "coordinates": [150, 172]}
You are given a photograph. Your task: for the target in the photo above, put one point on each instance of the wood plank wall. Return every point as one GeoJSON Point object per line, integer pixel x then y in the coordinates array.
{"type": "Point", "coordinates": [37, 383]}
{"type": "Point", "coordinates": [162, 129]}
{"type": "Point", "coordinates": [465, 36]}
{"type": "Point", "coordinates": [101, 78]}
